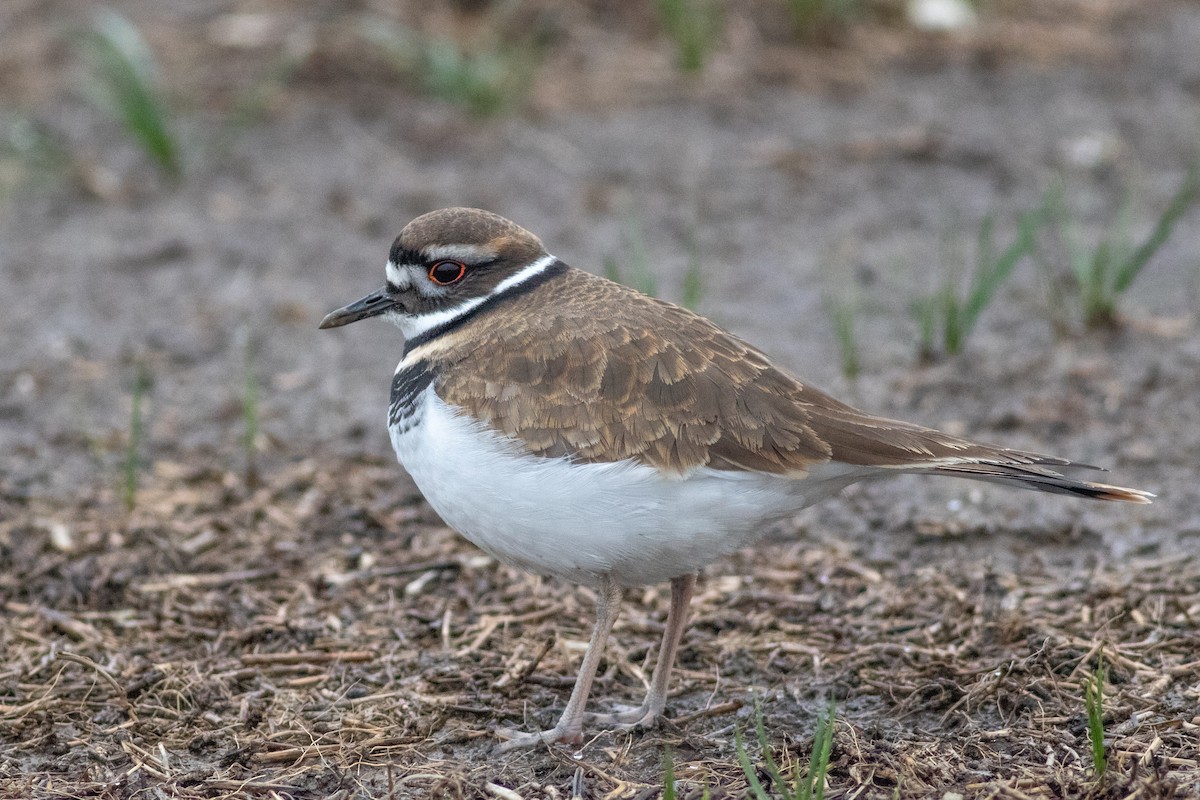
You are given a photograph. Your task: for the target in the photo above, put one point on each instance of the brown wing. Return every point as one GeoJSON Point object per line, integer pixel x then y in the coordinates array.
{"type": "Point", "coordinates": [661, 385]}
{"type": "Point", "coordinates": [654, 383]}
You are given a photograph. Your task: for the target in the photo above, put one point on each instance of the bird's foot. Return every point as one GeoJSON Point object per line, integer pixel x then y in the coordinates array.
{"type": "Point", "coordinates": [516, 740]}
{"type": "Point", "coordinates": [643, 717]}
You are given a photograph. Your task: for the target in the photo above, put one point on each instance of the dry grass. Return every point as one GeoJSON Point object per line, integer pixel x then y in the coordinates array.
{"type": "Point", "coordinates": [324, 635]}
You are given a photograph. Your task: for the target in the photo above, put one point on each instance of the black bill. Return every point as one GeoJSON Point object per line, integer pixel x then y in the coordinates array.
{"type": "Point", "coordinates": [374, 304]}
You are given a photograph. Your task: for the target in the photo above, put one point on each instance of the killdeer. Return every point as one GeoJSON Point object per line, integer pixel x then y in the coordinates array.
{"type": "Point", "coordinates": [575, 428]}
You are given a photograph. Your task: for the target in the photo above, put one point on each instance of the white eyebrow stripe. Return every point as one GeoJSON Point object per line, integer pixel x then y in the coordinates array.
{"type": "Point", "coordinates": [471, 253]}
{"type": "Point", "coordinates": [413, 325]}
{"type": "Point", "coordinates": [541, 265]}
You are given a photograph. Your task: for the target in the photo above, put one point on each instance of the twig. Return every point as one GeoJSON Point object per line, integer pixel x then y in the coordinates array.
{"type": "Point", "coordinates": [99, 670]}
{"type": "Point", "coordinates": [69, 625]}
{"type": "Point", "coordinates": [205, 580]}
{"type": "Point", "coordinates": [495, 790]}
{"type": "Point", "coordinates": [713, 711]}
{"type": "Point", "coordinates": [307, 657]}
{"type": "Point", "coordinates": [520, 676]}
{"type": "Point", "coordinates": [298, 754]}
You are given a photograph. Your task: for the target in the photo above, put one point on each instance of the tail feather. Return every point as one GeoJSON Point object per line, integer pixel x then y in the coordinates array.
{"type": "Point", "coordinates": [1028, 476]}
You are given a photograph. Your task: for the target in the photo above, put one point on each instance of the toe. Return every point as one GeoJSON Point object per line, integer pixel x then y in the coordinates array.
{"type": "Point", "coordinates": [520, 741]}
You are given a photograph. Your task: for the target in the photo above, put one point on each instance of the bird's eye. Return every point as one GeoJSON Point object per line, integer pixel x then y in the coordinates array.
{"type": "Point", "coordinates": [445, 273]}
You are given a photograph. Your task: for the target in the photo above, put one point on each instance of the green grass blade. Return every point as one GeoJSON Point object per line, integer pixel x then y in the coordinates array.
{"type": "Point", "coordinates": [958, 314]}
{"type": "Point", "coordinates": [611, 270]}
{"type": "Point", "coordinates": [810, 786]}
{"type": "Point", "coordinates": [842, 313]}
{"type": "Point", "coordinates": [487, 78]}
{"type": "Point", "coordinates": [668, 775]}
{"type": "Point", "coordinates": [1107, 270]}
{"type": "Point", "coordinates": [992, 271]}
{"type": "Point", "coordinates": [748, 769]}
{"type": "Point", "coordinates": [124, 84]}
{"type": "Point", "coordinates": [764, 747]}
{"type": "Point", "coordinates": [250, 415]}
{"type": "Point", "coordinates": [1098, 300]}
{"type": "Point", "coordinates": [141, 385]}
{"type": "Point", "coordinates": [1094, 703]}
{"type": "Point", "coordinates": [693, 26]}
{"type": "Point", "coordinates": [1119, 243]}
{"type": "Point", "coordinates": [924, 311]}
{"type": "Point", "coordinates": [1060, 215]}
{"type": "Point", "coordinates": [952, 330]}
{"type": "Point", "coordinates": [1182, 200]}
{"type": "Point", "coordinates": [813, 787]}
{"type": "Point", "coordinates": [641, 276]}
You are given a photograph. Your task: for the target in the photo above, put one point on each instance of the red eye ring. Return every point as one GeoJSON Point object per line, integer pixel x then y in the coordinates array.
{"type": "Point", "coordinates": [446, 272]}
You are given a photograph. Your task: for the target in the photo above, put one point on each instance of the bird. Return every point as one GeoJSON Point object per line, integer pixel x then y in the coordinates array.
{"type": "Point", "coordinates": [576, 428]}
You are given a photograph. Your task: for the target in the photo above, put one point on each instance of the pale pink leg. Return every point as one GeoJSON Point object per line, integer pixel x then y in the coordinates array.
{"type": "Point", "coordinates": [570, 726]}
{"type": "Point", "coordinates": [656, 699]}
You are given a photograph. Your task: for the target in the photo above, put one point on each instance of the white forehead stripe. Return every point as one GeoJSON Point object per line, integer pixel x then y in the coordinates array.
{"type": "Point", "coordinates": [470, 253]}
{"type": "Point", "coordinates": [397, 276]}
{"type": "Point", "coordinates": [413, 325]}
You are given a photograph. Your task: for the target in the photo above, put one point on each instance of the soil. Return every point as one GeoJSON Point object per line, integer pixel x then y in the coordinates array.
{"type": "Point", "coordinates": [289, 619]}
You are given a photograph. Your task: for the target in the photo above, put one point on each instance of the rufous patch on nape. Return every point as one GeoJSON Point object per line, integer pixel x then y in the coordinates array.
{"type": "Point", "coordinates": [575, 428]}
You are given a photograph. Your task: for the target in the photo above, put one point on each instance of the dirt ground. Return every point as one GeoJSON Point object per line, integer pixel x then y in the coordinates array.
{"type": "Point", "coordinates": [304, 626]}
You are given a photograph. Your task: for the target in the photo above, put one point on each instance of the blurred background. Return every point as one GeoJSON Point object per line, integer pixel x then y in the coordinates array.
{"type": "Point", "coordinates": [975, 214]}
{"type": "Point", "coordinates": [885, 195]}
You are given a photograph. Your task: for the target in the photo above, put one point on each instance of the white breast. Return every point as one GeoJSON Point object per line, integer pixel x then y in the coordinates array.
{"type": "Point", "coordinates": [579, 521]}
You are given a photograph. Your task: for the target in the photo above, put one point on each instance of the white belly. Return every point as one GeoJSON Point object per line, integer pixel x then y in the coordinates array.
{"type": "Point", "coordinates": [579, 521]}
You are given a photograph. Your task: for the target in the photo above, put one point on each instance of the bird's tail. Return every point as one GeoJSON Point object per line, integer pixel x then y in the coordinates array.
{"type": "Point", "coordinates": [1032, 476]}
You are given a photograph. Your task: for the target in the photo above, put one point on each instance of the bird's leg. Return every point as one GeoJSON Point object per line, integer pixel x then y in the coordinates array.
{"type": "Point", "coordinates": [570, 726]}
{"type": "Point", "coordinates": [656, 698]}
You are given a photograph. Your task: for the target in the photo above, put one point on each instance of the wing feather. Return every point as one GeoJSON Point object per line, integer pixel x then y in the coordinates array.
{"type": "Point", "coordinates": [662, 386]}
{"type": "Point", "coordinates": [658, 384]}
